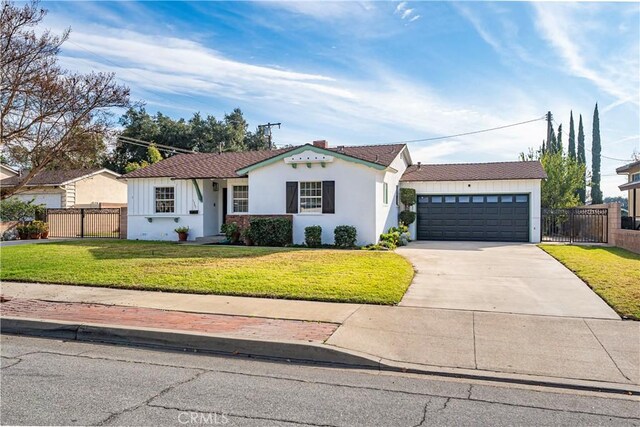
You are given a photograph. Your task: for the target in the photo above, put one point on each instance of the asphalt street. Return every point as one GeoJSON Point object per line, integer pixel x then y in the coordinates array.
{"type": "Point", "coordinates": [50, 382]}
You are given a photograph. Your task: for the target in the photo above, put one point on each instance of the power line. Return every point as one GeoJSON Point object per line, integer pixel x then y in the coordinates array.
{"type": "Point", "coordinates": [468, 133]}
{"type": "Point", "coordinates": [168, 147]}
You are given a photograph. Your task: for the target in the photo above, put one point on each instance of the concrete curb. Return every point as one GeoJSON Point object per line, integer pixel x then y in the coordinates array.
{"type": "Point", "coordinates": [295, 351]}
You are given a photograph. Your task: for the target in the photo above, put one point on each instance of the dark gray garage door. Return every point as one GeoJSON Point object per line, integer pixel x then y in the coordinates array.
{"type": "Point", "coordinates": [501, 218]}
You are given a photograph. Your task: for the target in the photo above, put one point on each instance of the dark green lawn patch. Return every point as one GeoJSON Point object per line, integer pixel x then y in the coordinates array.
{"type": "Point", "coordinates": [292, 273]}
{"type": "Point", "coordinates": [613, 273]}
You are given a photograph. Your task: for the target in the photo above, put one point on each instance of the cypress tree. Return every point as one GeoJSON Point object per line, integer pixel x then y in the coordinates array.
{"type": "Point", "coordinates": [558, 148]}
{"type": "Point", "coordinates": [572, 139]}
{"type": "Point", "coordinates": [596, 192]}
{"type": "Point", "coordinates": [582, 192]}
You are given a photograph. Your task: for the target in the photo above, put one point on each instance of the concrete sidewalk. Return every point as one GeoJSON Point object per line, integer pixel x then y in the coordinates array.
{"type": "Point", "coordinates": [482, 343]}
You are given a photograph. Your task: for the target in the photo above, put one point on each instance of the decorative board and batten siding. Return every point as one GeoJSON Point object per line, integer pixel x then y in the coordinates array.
{"type": "Point", "coordinates": [355, 196]}
{"type": "Point", "coordinates": [141, 208]}
{"type": "Point", "coordinates": [516, 186]}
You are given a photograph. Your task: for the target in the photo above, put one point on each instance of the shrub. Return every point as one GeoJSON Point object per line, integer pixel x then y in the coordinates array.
{"type": "Point", "coordinates": [231, 231]}
{"type": "Point", "coordinates": [408, 197]}
{"type": "Point", "coordinates": [345, 236]}
{"type": "Point", "coordinates": [183, 229]}
{"type": "Point", "coordinates": [271, 231]}
{"type": "Point", "coordinates": [313, 236]}
{"type": "Point", "coordinates": [14, 209]}
{"type": "Point", "coordinates": [407, 217]}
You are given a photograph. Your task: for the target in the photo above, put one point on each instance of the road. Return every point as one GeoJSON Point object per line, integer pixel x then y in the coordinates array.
{"type": "Point", "coordinates": [52, 382]}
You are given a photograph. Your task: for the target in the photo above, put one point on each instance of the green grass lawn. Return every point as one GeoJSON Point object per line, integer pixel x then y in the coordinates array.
{"type": "Point", "coordinates": [325, 275]}
{"type": "Point", "coordinates": [613, 273]}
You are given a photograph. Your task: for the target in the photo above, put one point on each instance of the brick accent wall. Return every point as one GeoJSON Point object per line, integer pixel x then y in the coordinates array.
{"type": "Point", "coordinates": [627, 239]}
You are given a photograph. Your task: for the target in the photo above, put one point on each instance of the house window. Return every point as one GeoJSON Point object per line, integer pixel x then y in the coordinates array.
{"type": "Point", "coordinates": [240, 198]}
{"type": "Point", "coordinates": [385, 193]}
{"type": "Point", "coordinates": [635, 177]}
{"type": "Point", "coordinates": [165, 200]}
{"type": "Point", "coordinates": [397, 195]}
{"type": "Point", "coordinates": [311, 197]}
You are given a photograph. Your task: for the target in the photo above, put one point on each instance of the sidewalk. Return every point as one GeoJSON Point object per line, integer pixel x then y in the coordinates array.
{"type": "Point", "coordinates": [435, 340]}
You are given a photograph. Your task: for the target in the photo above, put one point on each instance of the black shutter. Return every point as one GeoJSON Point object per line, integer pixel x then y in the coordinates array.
{"type": "Point", "coordinates": [292, 197]}
{"type": "Point", "coordinates": [328, 197]}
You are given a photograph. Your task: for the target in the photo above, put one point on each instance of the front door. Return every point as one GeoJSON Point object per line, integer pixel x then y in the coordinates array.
{"type": "Point", "coordinates": [224, 205]}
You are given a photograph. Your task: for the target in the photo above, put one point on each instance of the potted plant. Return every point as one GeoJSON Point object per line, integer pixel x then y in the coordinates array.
{"type": "Point", "coordinates": [183, 233]}
{"type": "Point", "coordinates": [44, 229]}
{"type": "Point", "coordinates": [34, 231]}
{"type": "Point", "coordinates": [23, 231]}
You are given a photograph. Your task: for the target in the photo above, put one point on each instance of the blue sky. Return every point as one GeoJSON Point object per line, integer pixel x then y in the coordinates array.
{"type": "Point", "coordinates": [375, 72]}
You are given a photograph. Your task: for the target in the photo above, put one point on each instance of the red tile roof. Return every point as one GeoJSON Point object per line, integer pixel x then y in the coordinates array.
{"type": "Point", "coordinates": [225, 165]}
{"type": "Point", "coordinates": [475, 171]}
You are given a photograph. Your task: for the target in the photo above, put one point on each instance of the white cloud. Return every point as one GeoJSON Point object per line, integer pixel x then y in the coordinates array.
{"type": "Point", "coordinates": [415, 18]}
{"type": "Point", "coordinates": [573, 31]}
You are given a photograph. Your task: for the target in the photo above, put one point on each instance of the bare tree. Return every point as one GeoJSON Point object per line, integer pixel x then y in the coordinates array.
{"type": "Point", "coordinates": [47, 113]}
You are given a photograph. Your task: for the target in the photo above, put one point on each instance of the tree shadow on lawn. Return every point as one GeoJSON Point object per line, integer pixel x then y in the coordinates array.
{"type": "Point", "coordinates": [613, 250]}
{"type": "Point", "coordinates": [127, 249]}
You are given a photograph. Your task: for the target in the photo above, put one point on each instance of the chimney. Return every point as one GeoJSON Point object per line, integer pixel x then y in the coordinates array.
{"type": "Point", "coordinates": [322, 143]}
{"type": "Point", "coordinates": [419, 164]}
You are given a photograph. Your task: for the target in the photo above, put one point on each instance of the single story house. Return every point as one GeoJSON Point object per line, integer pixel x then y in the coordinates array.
{"type": "Point", "coordinates": [329, 186]}
{"type": "Point", "coordinates": [632, 170]}
{"type": "Point", "coordinates": [75, 188]}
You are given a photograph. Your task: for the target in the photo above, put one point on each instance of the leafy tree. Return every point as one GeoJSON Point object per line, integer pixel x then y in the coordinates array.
{"type": "Point", "coordinates": [199, 133]}
{"type": "Point", "coordinates": [153, 156]}
{"type": "Point", "coordinates": [596, 192]}
{"type": "Point", "coordinates": [564, 177]}
{"type": "Point", "coordinates": [572, 138]}
{"type": "Point", "coordinates": [624, 202]}
{"type": "Point", "coordinates": [15, 209]}
{"type": "Point", "coordinates": [581, 157]}
{"type": "Point", "coordinates": [47, 113]}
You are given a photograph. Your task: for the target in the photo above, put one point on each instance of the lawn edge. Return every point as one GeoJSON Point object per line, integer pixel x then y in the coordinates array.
{"type": "Point", "coordinates": [624, 316]}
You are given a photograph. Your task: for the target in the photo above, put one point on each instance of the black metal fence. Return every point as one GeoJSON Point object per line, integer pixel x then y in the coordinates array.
{"type": "Point", "coordinates": [579, 225]}
{"type": "Point", "coordinates": [84, 222]}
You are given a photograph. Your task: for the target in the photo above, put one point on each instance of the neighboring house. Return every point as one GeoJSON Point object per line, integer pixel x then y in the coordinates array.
{"type": "Point", "coordinates": [7, 172]}
{"type": "Point", "coordinates": [330, 186]}
{"type": "Point", "coordinates": [632, 170]}
{"type": "Point", "coordinates": [71, 188]}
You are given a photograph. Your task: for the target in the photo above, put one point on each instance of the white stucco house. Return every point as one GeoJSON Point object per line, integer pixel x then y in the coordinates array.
{"type": "Point", "coordinates": [329, 186]}
{"type": "Point", "coordinates": [75, 188]}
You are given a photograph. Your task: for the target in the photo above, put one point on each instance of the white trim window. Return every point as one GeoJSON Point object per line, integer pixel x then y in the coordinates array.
{"type": "Point", "coordinates": [635, 177]}
{"type": "Point", "coordinates": [240, 198]}
{"type": "Point", "coordinates": [311, 197]}
{"type": "Point", "coordinates": [165, 199]}
{"type": "Point", "coordinates": [385, 193]}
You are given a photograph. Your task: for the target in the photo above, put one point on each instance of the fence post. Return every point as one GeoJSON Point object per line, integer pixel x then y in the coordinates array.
{"type": "Point", "coordinates": [123, 223]}
{"type": "Point", "coordinates": [82, 222]}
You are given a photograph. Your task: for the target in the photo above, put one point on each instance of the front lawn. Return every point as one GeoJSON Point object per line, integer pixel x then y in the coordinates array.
{"type": "Point", "coordinates": [325, 275]}
{"type": "Point", "coordinates": [613, 273]}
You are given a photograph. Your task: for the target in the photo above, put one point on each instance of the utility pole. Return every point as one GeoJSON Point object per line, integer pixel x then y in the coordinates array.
{"type": "Point", "coordinates": [549, 131]}
{"type": "Point", "coordinates": [267, 132]}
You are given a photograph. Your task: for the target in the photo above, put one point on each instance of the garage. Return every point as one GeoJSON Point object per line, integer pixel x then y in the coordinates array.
{"type": "Point", "coordinates": [482, 217]}
{"type": "Point", "coordinates": [495, 202]}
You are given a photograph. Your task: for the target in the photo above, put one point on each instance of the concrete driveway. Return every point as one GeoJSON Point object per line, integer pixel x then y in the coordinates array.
{"type": "Point", "coordinates": [497, 277]}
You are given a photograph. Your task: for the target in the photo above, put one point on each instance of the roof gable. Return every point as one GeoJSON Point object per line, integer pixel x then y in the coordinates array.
{"type": "Point", "coordinates": [309, 147]}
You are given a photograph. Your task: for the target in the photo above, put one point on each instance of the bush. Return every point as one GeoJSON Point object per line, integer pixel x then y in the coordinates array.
{"type": "Point", "coordinates": [313, 236]}
{"type": "Point", "coordinates": [407, 217]}
{"type": "Point", "coordinates": [14, 209]}
{"type": "Point", "coordinates": [408, 197]}
{"type": "Point", "coordinates": [231, 231]}
{"type": "Point", "coordinates": [271, 231]}
{"type": "Point", "coordinates": [345, 236]}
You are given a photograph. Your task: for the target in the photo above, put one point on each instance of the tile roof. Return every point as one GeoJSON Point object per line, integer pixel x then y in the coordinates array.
{"type": "Point", "coordinates": [49, 177]}
{"type": "Point", "coordinates": [475, 171]}
{"type": "Point", "coordinates": [225, 165]}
